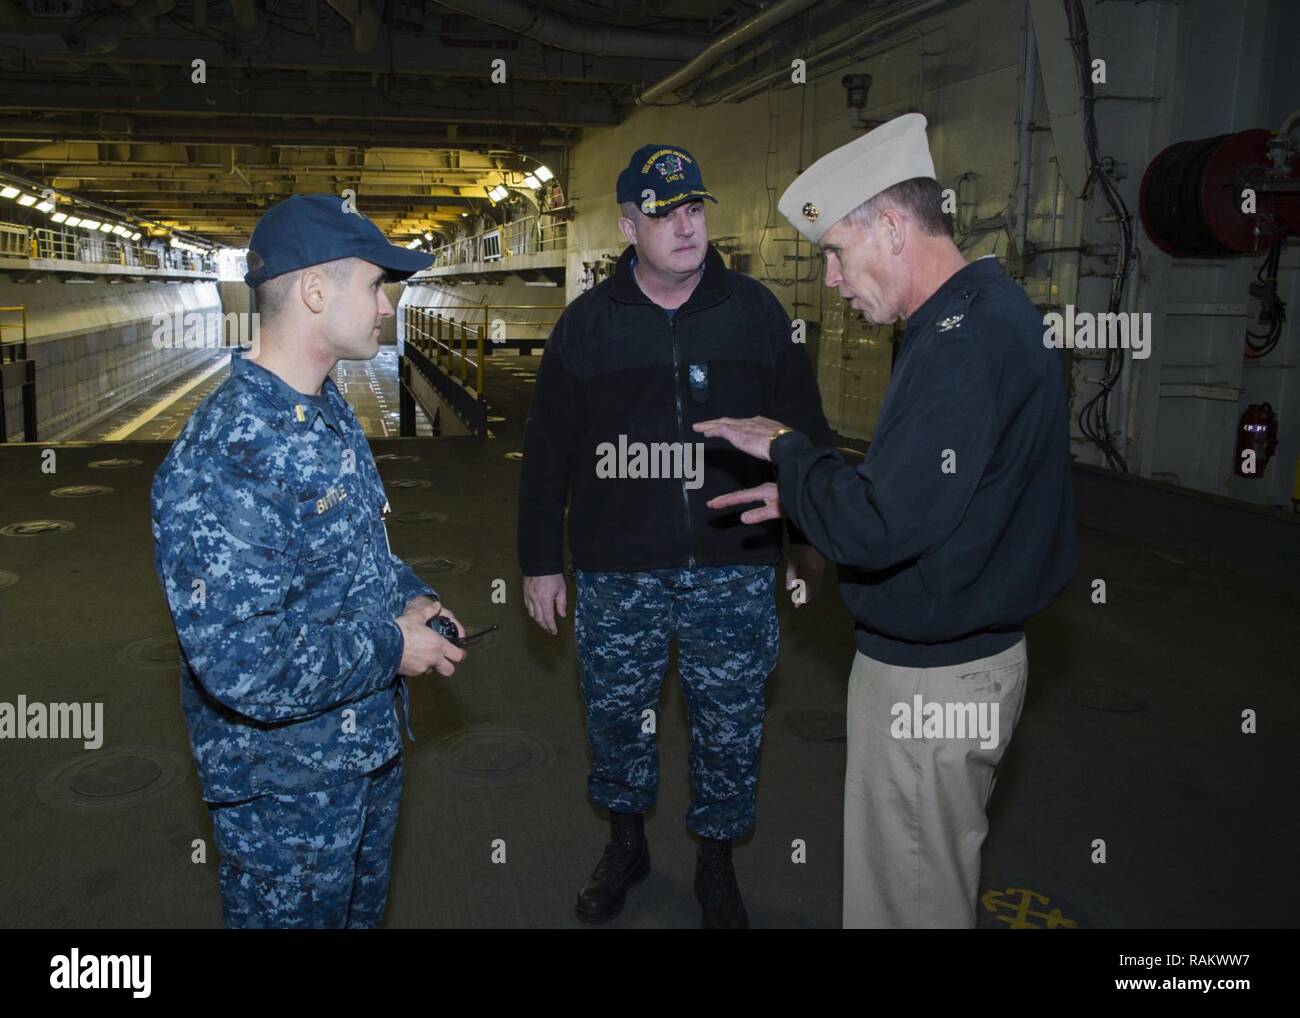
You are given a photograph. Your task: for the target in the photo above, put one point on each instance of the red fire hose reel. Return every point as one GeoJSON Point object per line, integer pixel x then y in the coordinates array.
{"type": "Point", "coordinates": [1195, 201]}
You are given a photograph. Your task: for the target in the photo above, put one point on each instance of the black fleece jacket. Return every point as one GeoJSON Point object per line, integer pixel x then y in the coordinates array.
{"type": "Point", "coordinates": [617, 371]}
{"type": "Point", "coordinates": [959, 525]}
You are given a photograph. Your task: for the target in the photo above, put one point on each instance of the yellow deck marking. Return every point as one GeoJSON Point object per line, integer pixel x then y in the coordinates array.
{"type": "Point", "coordinates": [140, 420]}
{"type": "Point", "coordinates": [1018, 903]}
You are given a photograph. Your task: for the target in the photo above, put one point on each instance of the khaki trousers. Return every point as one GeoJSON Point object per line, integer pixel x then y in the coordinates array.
{"type": "Point", "coordinates": [918, 779]}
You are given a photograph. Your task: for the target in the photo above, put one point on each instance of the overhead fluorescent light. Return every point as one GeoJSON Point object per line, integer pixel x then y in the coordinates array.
{"type": "Point", "coordinates": [498, 193]}
{"type": "Point", "coordinates": [59, 217]}
{"type": "Point", "coordinates": [136, 235]}
{"type": "Point", "coordinates": [90, 224]}
{"type": "Point", "coordinates": [428, 235]}
{"type": "Point", "coordinates": [45, 206]}
{"type": "Point", "coordinates": [543, 174]}
{"type": "Point", "coordinates": [27, 199]}
{"type": "Point", "coordinates": [531, 181]}
{"type": "Point", "coordinates": [414, 243]}
{"type": "Point", "coordinates": [121, 230]}
{"type": "Point", "coordinates": [105, 227]}
{"type": "Point", "coordinates": [72, 221]}
{"type": "Point", "coordinates": [8, 192]}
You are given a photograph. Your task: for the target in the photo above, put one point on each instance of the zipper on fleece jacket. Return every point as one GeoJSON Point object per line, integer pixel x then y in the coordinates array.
{"type": "Point", "coordinates": [681, 426]}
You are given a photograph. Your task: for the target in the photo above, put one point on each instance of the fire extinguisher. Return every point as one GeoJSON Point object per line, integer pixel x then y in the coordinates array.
{"type": "Point", "coordinates": [1256, 432]}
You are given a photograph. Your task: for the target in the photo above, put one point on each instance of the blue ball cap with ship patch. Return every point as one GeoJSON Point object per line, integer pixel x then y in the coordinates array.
{"type": "Point", "coordinates": [309, 229]}
{"type": "Point", "coordinates": [668, 172]}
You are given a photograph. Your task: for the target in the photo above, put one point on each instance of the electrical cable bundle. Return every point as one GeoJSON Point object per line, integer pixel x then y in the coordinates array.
{"type": "Point", "coordinates": [1094, 418]}
{"type": "Point", "coordinates": [967, 234]}
{"type": "Point", "coordinates": [1266, 291]}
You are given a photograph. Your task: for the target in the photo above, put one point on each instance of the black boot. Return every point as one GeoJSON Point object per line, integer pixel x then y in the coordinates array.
{"type": "Point", "coordinates": [626, 862]}
{"type": "Point", "coordinates": [716, 888]}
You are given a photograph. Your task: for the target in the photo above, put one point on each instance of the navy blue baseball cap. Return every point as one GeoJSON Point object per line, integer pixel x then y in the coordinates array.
{"type": "Point", "coordinates": [669, 171]}
{"type": "Point", "coordinates": [308, 229]}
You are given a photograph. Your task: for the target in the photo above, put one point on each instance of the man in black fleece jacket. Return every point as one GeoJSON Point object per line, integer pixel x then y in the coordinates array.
{"type": "Point", "coordinates": [672, 338]}
{"type": "Point", "coordinates": [956, 528]}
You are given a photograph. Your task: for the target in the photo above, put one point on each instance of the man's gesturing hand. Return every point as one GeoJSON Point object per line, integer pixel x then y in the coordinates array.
{"type": "Point", "coordinates": [544, 596]}
{"type": "Point", "coordinates": [422, 648]}
{"type": "Point", "coordinates": [750, 434]}
{"type": "Point", "coordinates": [765, 493]}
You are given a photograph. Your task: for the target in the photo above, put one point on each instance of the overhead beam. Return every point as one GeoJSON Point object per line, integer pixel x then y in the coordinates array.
{"type": "Point", "coordinates": [402, 53]}
{"type": "Point", "coordinates": [128, 129]}
{"type": "Point", "coordinates": [62, 178]}
{"type": "Point", "coordinates": [431, 163]}
{"type": "Point", "coordinates": [464, 106]}
{"type": "Point", "coordinates": [181, 172]}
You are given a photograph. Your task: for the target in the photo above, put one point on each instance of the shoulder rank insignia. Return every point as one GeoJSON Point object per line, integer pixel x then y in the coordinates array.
{"type": "Point", "coordinates": [950, 323]}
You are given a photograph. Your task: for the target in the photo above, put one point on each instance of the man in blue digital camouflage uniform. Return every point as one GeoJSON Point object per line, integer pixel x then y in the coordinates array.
{"type": "Point", "coordinates": [674, 337]}
{"type": "Point", "coordinates": [954, 531]}
{"type": "Point", "coordinates": [295, 619]}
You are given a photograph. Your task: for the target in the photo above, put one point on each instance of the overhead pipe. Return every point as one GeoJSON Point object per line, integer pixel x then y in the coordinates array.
{"type": "Point", "coordinates": [144, 11]}
{"type": "Point", "coordinates": [251, 23]}
{"type": "Point", "coordinates": [835, 52]}
{"type": "Point", "coordinates": [244, 12]}
{"type": "Point", "coordinates": [364, 16]}
{"type": "Point", "coordinates": [107, 33]}
{"type": "Point", "coordinates": [766, 19]}
{"type": "Point", "coordinates": [103, 36]}
{"type": "Point", "coordinates": [1024, 136]}
{"type": "Point", "coordinates": [562, 33]}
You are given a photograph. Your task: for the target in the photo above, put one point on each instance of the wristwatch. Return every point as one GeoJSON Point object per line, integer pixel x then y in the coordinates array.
{"type": "Point", "coordinates": [775, 435]}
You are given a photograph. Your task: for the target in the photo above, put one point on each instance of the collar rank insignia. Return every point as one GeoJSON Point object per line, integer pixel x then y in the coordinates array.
{"type": "Point", "coordinates": [950, 323]}
{"type": "Point", "coordinates": [300, 412]}
{"type": "Point", "coordinates": [810, 211]}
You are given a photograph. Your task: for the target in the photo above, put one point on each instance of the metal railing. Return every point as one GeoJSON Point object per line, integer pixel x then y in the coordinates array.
{"type": "Point", "coordinates": [458, 252]}
{"type": "Point", "coordinates": [14, 241]}
{"type": "Point", "coordinates": [97, 248]}
{"type": "Point", "coordinates": [17, 371]}
{"type": "Point", "coordinates": [59, 244]}
{"type": "Point", "coordinates": [447, 352]}
{"type": "Point", "coordinates": [530, 235]}
{"type": "Point", "coordinates": [435, 333]}
{"type": "Point", "coordinates": [13, 349]}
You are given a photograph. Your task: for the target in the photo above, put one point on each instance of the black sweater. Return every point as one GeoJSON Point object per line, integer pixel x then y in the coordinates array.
{"type": "Point", "coordinates": [959, 524]}
{"type": "Point", "coordinates": [617, 365]}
